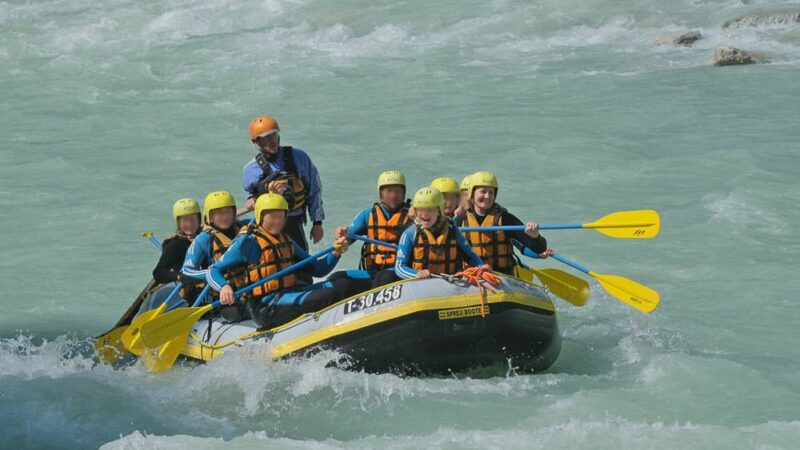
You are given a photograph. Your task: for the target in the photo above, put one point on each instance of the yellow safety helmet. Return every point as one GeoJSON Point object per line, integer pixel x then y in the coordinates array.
{"type": "Point", "coordinates": [263, 126]}
{"type": "Point", "coordinates": [185, 207]}
{"type": "Point", "coordinates": [482, 179]}
{"type": "Point", "coordinates": [216, 200]}
{"type": "Point", "coordinates": [428, 197]}
{"type": "Point", "coordinates": [465, 183]}
{"type": "Point", "coordinates": [446, 185]}
{"type": "Point", "coordinates": [391, 178]}
{"type": "Point", "coordinates": [269, 202]}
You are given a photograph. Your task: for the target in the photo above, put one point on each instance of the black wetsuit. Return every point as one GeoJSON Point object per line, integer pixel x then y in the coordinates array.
{"type": "Point", "coordinates": [173, 252]}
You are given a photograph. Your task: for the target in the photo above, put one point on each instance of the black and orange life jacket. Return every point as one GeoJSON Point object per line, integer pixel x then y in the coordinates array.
{"type": "Point", "coordinates": [298, 189]}
{"type": "Point", "coordinates": [277, 253]}
{"type": "Point", "coordinates": [494, 247]}
{"type": "Point", "coordinates": [219, 245]}
{"type": "Point", "coordinates": [437, 252]}
{"type": "Point", "coordinates": [378, 257]}
{"type": "Point", "coordinates": [219, 241]}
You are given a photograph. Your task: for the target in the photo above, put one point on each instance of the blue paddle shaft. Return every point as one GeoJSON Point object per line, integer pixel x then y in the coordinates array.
{"type": "Point", "coordinates": [277, 274]}
{"type": "Point", "coordinates": [202, 295]}
{"type": "Point", "coordinates": [557, 226]}
{"type": "Point", "coordinates": [155, 242]}
{"type": "Point", "coordinates": [572, 264]}
{"type": "Point", "coordinates": [531, 254]}
{"type": "Point", "coordinates": [372, 241]}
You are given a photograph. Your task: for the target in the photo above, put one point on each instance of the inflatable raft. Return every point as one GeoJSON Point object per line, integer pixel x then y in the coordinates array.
{"type": "Point", "coordinates": [430, 326]}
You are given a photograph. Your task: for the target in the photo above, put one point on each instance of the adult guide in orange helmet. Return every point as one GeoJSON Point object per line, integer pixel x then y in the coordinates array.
{"type": "Point", "coordinates": [287, 171]}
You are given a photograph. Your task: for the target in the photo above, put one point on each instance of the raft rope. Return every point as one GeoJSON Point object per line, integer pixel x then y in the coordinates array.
{"type": "Point", "coordinates": [484, 279]}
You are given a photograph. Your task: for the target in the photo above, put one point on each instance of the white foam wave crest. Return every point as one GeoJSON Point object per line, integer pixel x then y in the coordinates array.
{"type": "Point", "coordinates": [608, 433]}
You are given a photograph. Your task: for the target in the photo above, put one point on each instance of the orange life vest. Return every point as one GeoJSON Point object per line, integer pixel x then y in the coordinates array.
{"type": "Point", "coordinates": [493, 247]}
{"type": "Point", "coordinates": [277, 253]}
{"type": "Point", "coordinates": [438, 253]}
{"type": "Point", "coordinates": [385, 229]}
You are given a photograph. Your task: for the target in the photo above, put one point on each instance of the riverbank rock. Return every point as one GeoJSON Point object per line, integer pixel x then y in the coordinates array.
{"type": "Point", "coordinates": [732, 56]}
{"type": "Point", "coordinates": [755, 19]}
{"type": "Point", "coordinates": [683, 40]}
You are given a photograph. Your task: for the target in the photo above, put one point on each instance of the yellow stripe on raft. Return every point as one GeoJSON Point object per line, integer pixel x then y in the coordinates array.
{"type": "Point", "coordinates": [427, 304]}
{"type": "Point", "coordinates": [204, 353]}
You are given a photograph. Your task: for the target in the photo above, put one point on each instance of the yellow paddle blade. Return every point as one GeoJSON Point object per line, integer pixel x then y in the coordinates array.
{"type": "Point", "coordinates": [132, 337]}
{"type": "Point", "coordinates": [628, 291]}
{"type": "Point", "coordinates": [568, 287]}
{"type": "Point", "coordinates": [639, 224]}
{"type": "Point", "coordinates": [109, 346]}
{"type": "Point", "coordinates": [162, 358]}
{"type": "Point", "coordinates": [167, 327]}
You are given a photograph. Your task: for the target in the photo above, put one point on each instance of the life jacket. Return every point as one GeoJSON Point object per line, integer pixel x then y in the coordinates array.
{"type": "Point", "coordinates": [277, 253]}
{"type": "Point", "coordinates": [438, 253]}
{"type": "Point", "coordinates": [378, 257]}
{"type": "Point", "coordinates": [494, 247]}
{"type": "Point", "coordinates": [298, 189]}
{"type": "Point", "coordinates": [219, 241]}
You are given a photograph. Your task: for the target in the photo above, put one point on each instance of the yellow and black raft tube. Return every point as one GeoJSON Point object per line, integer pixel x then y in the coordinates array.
{"type": "Point", "coordinates": [413, 327]}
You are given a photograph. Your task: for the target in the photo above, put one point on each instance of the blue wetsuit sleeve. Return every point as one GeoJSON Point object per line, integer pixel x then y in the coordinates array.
{"type": "Point", "coordinates": [359, 225]}
{"type": "Point", "coordinates": [244, 249]}
{"type": "Point", "coordinates": [405, 249]}
{"type": "Point", "coordinates": [308, 172]}
{"type": "Point", "coordinates": [322, 266]}
{"type": "Point", "coordinates": [197, 257]}
{"type": "Point", "coordinates": [251, 173]}
{"type": "Point", "coordinates": [470, 256]}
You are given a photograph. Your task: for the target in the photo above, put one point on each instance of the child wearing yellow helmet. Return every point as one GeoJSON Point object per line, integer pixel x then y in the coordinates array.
{"type": "Point", "coordinates": [220, 227]}
{"type": "Point", "coordinates": [434, 245]}
{"type": "Point", "coordinates": [451, 192]}
{"type": "Point", "coordinates": [262, 249]}
{"type": "Point", "coordinates": [384, 221]}
{"type": "Point", "coordinates": [186, 216]}
{"type": "Point", "coordinates": [496, 248]}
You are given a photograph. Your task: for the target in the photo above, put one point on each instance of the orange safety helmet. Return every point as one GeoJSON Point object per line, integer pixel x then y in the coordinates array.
{"type": "Point", "coordinates": [263, 126]}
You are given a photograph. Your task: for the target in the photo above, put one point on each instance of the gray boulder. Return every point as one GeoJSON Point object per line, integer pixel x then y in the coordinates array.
{"type": "Point", "coordinates": [732, 56]}
{"type": "Point", "coordinates": [755, 19]}
{"type": "Point", "coordinates": [683, 40]}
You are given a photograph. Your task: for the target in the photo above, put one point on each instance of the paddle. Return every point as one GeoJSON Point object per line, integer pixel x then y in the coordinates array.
{"type": "Point", "coordinates": [162, 358]}
{"type": "Point", "coordinates": [109, 345]}
{"type": "Point", "coordinates": [638, 296]}
{"type": "Point", "coordinates": [149, 235]}
{"type": "Point", "coordinates": [639, 224]}
{"type": "Point", "coordinates": [132, 337]}
{"type": "Point", "coordinates": [174, 327]}
{"type": "Point", "coordinates": [568, 287]}
{"type": "Point", "coordinates": [371, 241]}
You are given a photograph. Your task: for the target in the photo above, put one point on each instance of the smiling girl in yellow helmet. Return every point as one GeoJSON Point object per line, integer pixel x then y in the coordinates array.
{"type": "Point", "coordinates": [496, 248]}
{"type": "Point", "coordinates": [434, 245]}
